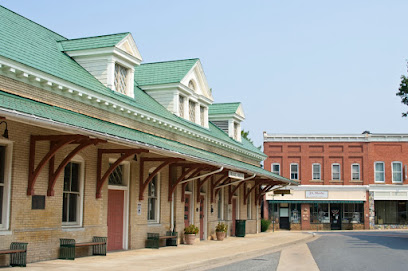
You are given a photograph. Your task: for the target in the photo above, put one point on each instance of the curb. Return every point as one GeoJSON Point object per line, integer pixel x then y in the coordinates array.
{"type": "Point", "coordinates": [225, 260]}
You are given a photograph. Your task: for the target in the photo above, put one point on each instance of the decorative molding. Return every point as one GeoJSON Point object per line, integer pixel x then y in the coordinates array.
{"type": "Point", "coordinates": [335, 138]}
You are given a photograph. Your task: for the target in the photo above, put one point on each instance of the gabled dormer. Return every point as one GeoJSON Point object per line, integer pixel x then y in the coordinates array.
{"type": "Point", "coordinates": [111, 59]}
{"type": "Point", "coordinates": [180, 86]}
{"type": "Point", "coordinates": [228, 117]}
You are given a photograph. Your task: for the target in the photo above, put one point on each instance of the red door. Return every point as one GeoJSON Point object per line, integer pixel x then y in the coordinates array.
{"type": "Point", "coordinates": [115, 219]}
{"type": "Point", "coordinates": [234, 215]}
{"type": "Point", "coordinates": [187, 200]}
{"type": "Point", "coordinates": [201, 217]}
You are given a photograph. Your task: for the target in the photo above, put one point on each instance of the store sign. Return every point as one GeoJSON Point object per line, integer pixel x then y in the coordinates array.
{"type": "Point", "coordinates": [236, 175]}
{"type": "Point", "coordinates": [317, 194]}
{"type": "Point", "coordinates": [281, 192]}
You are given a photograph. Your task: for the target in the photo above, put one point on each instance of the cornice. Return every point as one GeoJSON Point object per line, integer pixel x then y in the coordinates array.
{"type": "Point", "coordinates": [335, 138]}
{"type": "Point", "coordinates": [67, 89]}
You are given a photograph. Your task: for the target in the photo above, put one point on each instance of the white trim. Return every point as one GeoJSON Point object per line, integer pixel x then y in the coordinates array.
{"type": "Point", "coordinates": [392, 171]}
{"type": "Point", "coordinates": [7, 184]}
{"type": "Point", "coordinates": [274, 164]}
{"type": "Point", "coordinates": [375, 171]}
{"type": "Point", "coordinates": [205, 220]}
{"type": "Point", "coordinates": [297, 171]}
{"type": "Point", "coordinates": [320, 171]}
{"type": "Point", "coordinates": [64, 88]}
{"type": "Point", "coordinates": [359, 172]}
{"type": "Point", "coordinates": [335, 137]}
{"type": "Point", "coordinates": [332, 172]}
{"type": "Point", "coordinates": [158, 209]}
{"type": "Point", "coordinates": [80, 216]}
{"type": "Point", "coordinates": [220, 217]}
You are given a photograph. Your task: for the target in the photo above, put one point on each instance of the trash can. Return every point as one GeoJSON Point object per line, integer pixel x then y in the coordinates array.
{"type": "Point", "coordinates": [240, 228]}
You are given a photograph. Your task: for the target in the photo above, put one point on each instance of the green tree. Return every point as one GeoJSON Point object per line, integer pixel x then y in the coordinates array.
{"type": "Point", "coordinates": [403, 92]}
{"type": "Point", "coordinates": [245, 134]}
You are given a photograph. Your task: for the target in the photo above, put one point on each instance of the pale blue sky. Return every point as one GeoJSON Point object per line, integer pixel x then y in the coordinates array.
{"type": "Point", "coordinates": [297, 66]}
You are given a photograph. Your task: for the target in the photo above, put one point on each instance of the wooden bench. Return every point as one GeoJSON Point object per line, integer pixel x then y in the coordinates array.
{"type": "Point", "coordinates": [67, 247]}
{"type": "Point", "coordinates": [153, 239]}
{"type": "Point", "coordinates": [18, 254]}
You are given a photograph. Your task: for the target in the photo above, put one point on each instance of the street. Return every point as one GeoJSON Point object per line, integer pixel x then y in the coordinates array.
{"type": "Point", "coordinates": [337, 251]}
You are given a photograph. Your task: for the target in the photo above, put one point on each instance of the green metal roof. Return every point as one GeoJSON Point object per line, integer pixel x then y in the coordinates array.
{"type": "Point", "coordinates": [92, 42]}
{"type": "Point", "coordinates": [63, 116]}
{"type": "Point", "coordinates": [223, 108]}
{"type": "Point", "coordinates": [163, 72]}
{"type": "Point", "coordinates": [33, 45]}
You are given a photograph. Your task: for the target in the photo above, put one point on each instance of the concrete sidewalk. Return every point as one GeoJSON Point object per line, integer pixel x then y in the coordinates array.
{"type": "Point", "coordinates": [200, 256]}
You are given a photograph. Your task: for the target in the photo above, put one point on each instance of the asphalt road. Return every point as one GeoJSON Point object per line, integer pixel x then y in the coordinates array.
{"type": "Point", "coordinates": [344, 251]}
{"type": "Point", "coordinates": [375, 250]}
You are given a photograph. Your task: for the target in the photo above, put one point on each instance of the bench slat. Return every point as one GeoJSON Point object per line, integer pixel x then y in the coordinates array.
{"type": "Point", "coordinates": [10, 251]}
{"type": "Point", "coordinates": [167, 237]}
{"type": "Point", "coordinates": [89, 244]}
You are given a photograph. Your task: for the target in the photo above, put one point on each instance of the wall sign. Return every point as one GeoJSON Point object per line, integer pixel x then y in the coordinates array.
{"type": "Point", "coordinates": [317, 194]}
{"type": "Point", "coordinates": [236, 175]}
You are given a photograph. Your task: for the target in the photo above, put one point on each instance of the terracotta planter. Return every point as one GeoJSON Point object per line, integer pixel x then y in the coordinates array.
{"type": "Point", "coordinates": [220, 235]}
{"type": "Point", "coordinates": [190, 238]}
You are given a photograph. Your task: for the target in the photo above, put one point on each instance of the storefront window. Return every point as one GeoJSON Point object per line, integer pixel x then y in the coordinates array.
{"type": "Point", "coordinates": [319, 213]}
{"type": "Point", "coordinates": [391, 212]}
{"type": "Point", "coordinates": [273, 210]}
{"type": "Point", "coordinates": [295, 213]}
{"type": "Point", "coordinates": [353, 212]}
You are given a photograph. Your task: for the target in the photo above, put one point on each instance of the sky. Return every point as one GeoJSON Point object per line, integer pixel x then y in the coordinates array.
{"type": "Point", "coordinates": [298, 67]}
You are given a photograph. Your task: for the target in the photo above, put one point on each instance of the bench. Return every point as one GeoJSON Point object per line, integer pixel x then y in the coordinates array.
{"type": "Point", "coordinates": [67, 247]}
{"type": "Point", "coordinates": [18, 254]}
{"type": "Point", "coordinates": [153, 239]}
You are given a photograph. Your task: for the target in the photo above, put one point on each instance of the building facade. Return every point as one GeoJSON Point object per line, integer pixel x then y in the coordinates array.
{"type": "Point", "coordinates": [346, 181]}
{"type": "Point", "coordinates": [96, 143]}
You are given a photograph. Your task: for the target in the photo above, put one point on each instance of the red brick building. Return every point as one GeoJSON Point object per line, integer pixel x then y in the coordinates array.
{"type": "Point", "coordinates": [347, 181]}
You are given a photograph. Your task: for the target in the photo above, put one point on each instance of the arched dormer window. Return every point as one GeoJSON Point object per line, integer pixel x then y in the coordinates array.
{"type": "Point", "coordinates": [191, 85]}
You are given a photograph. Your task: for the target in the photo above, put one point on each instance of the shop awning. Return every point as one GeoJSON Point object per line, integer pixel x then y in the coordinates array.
{"type": "Point", "coordinates": [316, 201]}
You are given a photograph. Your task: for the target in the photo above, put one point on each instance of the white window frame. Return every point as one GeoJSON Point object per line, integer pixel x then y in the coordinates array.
{"type": "Point", "coordinates": [297, 171]}
{"type": "Point", "coordinates": [320, 171]}
{"type": "Point", "coordinates": [275, 164]}
{"type": "Point", "coordinates": [4, 226]}
{"type": "Point", "coordinates": [182, 107]}
{"type": "Point", "coordinates": [375, 171]}
{"type": "Point", "coordinates": [336, 164]}
{"type": "Point", "coordinates": [352, 173]}
{"type": "Point", "coordinates": [392, 170]}
{"type": "Point", "coordinates": [157, 218]}
{"type": "Point", "coordinates": [220, 215]}
{"type": "Point", "coordinates": [78, 160]}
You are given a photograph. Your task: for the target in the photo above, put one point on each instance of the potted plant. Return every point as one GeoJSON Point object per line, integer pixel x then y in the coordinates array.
{"type": "Point", "coordinates": [221, 230]}
{"type": "Point", "coordinates": [190, 234]}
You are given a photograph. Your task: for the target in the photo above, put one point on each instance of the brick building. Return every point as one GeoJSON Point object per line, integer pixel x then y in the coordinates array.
{"type": "Point", "coordinates": [96, 143]}
{"type": "Point", "coordinates": [346, 181]}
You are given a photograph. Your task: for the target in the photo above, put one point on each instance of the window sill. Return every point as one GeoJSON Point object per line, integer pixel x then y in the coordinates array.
{"type": "Point", "coordinates": [5, 232]}
{"type": "Point", "coordinates": [316, 181]}
{"type": "Point", "coordinates": [154, 224]}
{"type": "Point", "coordinates": [336, 181]}
{"type": "Point", "coordinates": [397, 183]}
{"type": "Point", "coordinates": [72, 228]}
{"type": "Point", "coordinates": [356, 181]}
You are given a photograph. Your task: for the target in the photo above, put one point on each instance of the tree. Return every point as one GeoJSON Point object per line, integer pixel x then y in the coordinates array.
{"type": "Point", "coordinates": [403, 92]}
{"type": "Point", "coordinates": [245, 134]}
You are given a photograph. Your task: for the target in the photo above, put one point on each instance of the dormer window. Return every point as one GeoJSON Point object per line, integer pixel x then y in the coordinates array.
{"type": "Point", "coordinates": [120, 78]}
{"type": "Point", "coordinates": [191, 85]}
{"type": "Point", "coordinates": [235, 131]}
{"type": "Point", "coordinates": [181, 106]}
{"type": "Point", "coordinates": [192, 110]}
{"type": "Point", "coordinates": [202, 116]}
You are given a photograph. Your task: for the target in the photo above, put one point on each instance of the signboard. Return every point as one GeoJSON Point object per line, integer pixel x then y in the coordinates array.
{"type": "Point", "coordinates": [236, 175]}
{"type": "Point", "coordinates": [139, 209]}
{"type": "Point", "coordinates": [317, 194]}
{"type": "Point", "coordinates": [281, 192]}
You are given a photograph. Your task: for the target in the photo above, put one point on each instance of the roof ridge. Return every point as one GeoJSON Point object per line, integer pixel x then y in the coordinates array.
{"type": "Point", "coordinates": [33, 22]}
{"type": "Point", "coordinates": [95, 36]}
{"type": "Point", "coordinates": [170, 61]}
{"type": "Point", "coordinates": [226, 103]}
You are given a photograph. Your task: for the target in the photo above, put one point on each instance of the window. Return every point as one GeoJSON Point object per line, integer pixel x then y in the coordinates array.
{"type": "Point", "coordinates": [294, 171]}
{"type": "Point", "coordinates": [319, 213]}
{"type": "Point", "coordinates": [336, 172]}
{"type": "Point", "coordinates": [116, 177]}
{"type": "Point", "coordinates": [275, 168]}
{"type": "Point", "coordinates": [120, 78]}
{"type": "Point", "coordinates": [379, 172]}
{"type": "Point", "coordinates": [220, 205]}
{"type": "Point", "coordinates": [355, 171]}
{"type": "Point", "coordinates": [391, 212]}
{"type": "Point", "coordinates": [235, 131]}
{"type": "Point", "coordinates": [316, 169]}
{"type": "Point", "coordinates": [353, 212]}
{"type": "Point", "coordinates": [181, 106]}
{"type": "Point", "coordinates": [153, 201]}
{"type": "Point", "coordinates": [5, 170]}
{"type": "Point", "coordinates": [202, 115]}
{"type": "Point", "coordinates": [396, 172]}
{"type": "Point", "coordinates": [72, 194]}
{"type": "Point", "coordinates": [191, 85]}
{"type": "Point", "coordinates": [295, 213]}
{"type": "Point", "coordinates": [249, 213]}
{"type": "Point", "coordinates": [192, 111]}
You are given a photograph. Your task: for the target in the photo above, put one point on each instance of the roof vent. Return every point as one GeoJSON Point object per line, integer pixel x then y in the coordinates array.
{"type": "Point", "coordinates": [366, 133]}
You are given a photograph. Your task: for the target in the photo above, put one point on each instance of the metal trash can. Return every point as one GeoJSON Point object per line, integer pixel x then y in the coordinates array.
{"type": "Point", "coordinates": [240, 228]}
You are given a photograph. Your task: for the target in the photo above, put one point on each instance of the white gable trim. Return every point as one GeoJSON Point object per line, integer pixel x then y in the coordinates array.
{"type": "Point", "coordinates": [134, 51]}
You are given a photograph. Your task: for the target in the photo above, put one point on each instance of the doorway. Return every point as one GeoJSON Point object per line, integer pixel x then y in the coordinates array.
{"type": "Point", "coordinates": [116, 200]}
{"type": "Point", "coordinates": [284, 216]}
{"type": "Point", "coordinates": [335, 216]}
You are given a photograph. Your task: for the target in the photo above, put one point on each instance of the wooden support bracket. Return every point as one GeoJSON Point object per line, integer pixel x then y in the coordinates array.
{"type": "Point", "coordinates": [233, 190]}
{"type": "Point", "coordinates": [246, 194]}
{"type": "Point", "coordinates": [214, 183]}
{"type": "Point", "coordinates": [199, 185]}
{"type": "Point", "coordinates": [189, 172]}
{"type": "Point", "coordinates": [124, 154]}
